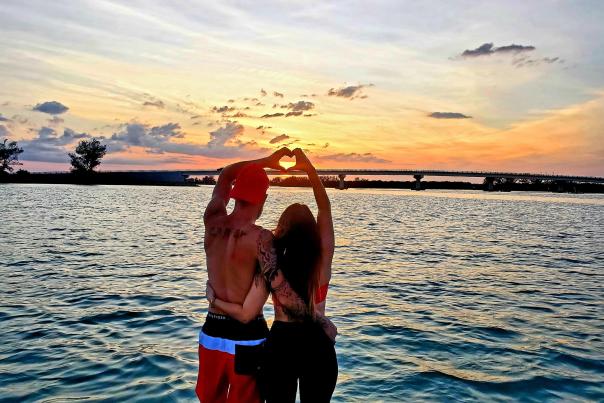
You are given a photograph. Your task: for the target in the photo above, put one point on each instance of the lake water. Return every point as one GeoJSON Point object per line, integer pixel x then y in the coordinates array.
{"type": "Point", "coordinates": [438, 295]}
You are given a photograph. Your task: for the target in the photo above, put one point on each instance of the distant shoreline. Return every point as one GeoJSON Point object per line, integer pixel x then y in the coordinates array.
{"type": "Point", "coordinates": [108, 178]}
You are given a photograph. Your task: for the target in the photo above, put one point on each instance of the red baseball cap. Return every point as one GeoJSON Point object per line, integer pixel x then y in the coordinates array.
{"type": "Point", "coordinates": [251, 184]}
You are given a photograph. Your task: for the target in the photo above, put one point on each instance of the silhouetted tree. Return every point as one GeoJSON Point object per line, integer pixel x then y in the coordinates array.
{"type": "Point", "coordinates": [208, 180]}
{"type": "Point", "coordinates": [88, 155]}
{"type": "Point", "coordinates": [9, 156]}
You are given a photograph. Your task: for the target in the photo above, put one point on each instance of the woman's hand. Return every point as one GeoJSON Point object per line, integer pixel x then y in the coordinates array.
{"type": "Point", "coordinates": [302, 161]}
{"type": "Point", "coordinates": [210, 294]}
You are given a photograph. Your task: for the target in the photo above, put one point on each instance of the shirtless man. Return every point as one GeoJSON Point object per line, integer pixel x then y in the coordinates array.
{"type": "Point", "coordinates": [232, 260]}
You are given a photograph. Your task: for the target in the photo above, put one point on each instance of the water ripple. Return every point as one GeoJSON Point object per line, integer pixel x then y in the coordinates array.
{"type": "Point", "coordinates": [438, 296]}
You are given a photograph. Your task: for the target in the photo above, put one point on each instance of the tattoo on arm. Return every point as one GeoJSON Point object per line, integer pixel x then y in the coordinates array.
{"type": "Point", "coordinates": [267, 256]}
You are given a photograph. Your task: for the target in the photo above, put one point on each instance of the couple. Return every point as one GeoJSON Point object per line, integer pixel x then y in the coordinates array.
{"type": "Point", "coordinates": [240, 360]}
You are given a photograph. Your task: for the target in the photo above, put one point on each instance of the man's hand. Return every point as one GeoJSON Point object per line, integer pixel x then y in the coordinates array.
{"type": "Point", "coordinates": [272, 161]}
{"type": "Point", "coordinates": [302, 161]}
{"type": "Point", "coordinates": [210, 294]}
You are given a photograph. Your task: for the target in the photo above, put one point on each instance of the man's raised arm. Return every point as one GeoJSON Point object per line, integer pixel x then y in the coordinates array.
{"type": "Point", "coordinates": [222, 189]}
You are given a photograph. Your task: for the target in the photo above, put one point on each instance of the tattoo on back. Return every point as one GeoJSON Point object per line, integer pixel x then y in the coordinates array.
{"type": "Point", "coordinates": [292, 305]}
{"type": "Point", "coordinates": [225, 232]}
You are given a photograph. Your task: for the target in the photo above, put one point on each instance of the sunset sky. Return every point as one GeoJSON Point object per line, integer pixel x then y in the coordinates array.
{"type": "Point", "coordinates": [508, 85]}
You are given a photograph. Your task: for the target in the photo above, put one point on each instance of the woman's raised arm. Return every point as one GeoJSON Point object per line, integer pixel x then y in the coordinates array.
{"type": "Point", "coordinates": [324, 218]}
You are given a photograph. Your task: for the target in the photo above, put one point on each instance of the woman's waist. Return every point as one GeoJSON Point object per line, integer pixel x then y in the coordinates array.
{"type": "Point", "coordinates": [281, 316]}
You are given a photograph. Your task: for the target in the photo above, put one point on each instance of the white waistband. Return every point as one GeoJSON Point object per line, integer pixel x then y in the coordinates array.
{"type": "Point", "coordinates": [224, 345]}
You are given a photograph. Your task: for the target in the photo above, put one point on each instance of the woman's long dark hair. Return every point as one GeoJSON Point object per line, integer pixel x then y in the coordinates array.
{"type": "Point", "coordinates": [298, 247]}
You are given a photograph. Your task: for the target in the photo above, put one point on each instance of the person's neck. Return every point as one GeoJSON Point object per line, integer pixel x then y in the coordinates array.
{"type": "Point", "coordinates": [242, 215]}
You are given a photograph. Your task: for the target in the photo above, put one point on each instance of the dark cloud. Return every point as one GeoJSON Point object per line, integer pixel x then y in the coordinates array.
{"type": "Point", "coordinates": [449, 115]}
{"type": "Point", "coordinates": [279, 138]}
{"type": "Point", "coordinates": [222, 109]}
{"type": "Point", "coordinates": [529, 62]}
{"type": "Point", "coordinates": [300, 106]}
{"type": "Point", "coordinates": [263, 92]}
{"type": "Point", "coordinates": [353, 157]}
{"type": "Point", "coordinates": [514, 49]}
{"type": "Point", "coordinates": [487, 49]}
{"type": "Point", "coordinates": [49, 146]}
{"type": "Point", "coordinates": [225, 142]}
{"type": "Point", "coordinates": [231, 101]}
{"type": "Point", "coordinates": [196, 117]}
{"type": "Point", "coordinates": [51, 107]}
{"type": "Point", "coordinates": [138, 134]}
{"type": "Point", "coordinates": [221, 136]}
{"type": "Point", "coordinates": [3, 131]}
{"type": "Point", "coordinates": [157, 104]}
{"type": "Point", "coordinates": [277, 94]}
{"type": "Point", "coordinates": [326, 145]}
{"type": "Point", "coordinates": [296, 109]}
{"type": "Point", "coordinates": [3, 119]}
{"type": "Point", "coordinates": [260, 128]}
{"type": "Point", "coordinates": [352, 91]}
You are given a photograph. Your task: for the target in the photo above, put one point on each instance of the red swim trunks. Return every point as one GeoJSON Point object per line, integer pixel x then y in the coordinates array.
{"type": "Point", "coordinates": [220, 377]}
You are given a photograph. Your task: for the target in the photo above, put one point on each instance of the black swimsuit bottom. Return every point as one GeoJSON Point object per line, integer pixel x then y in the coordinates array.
{"type": "Point", "coordinates": [228, 328]}
{"type": "Point", "coordinates": [298, 353]}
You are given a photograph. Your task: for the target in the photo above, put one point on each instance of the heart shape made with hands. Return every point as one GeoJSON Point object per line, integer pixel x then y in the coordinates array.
{"type": "Point", "coordinates": [287, 161]}
{"type": "Point", "coordinates": [282, 159]}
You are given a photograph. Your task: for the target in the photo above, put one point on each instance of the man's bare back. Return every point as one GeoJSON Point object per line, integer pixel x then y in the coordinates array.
{"type": "Point", "coordinates": [231, 257]}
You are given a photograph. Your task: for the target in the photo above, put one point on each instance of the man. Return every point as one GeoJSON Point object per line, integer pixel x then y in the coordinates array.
{"type": "Point", "coordinates": [231, 247]}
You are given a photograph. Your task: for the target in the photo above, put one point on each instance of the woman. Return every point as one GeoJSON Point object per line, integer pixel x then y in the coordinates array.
{"type": "Point", "coordinates": [295, 270]}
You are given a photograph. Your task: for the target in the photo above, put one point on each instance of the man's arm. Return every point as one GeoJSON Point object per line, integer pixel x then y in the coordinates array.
{"type": "Point", "coordinates": [220, 195]}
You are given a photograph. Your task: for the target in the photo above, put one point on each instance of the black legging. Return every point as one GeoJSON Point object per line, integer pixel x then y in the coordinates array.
{"type": "Point", "coordinates": [298, 352]}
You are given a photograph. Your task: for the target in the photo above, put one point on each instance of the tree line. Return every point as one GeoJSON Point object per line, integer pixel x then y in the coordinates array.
{"type": "Point", "coordinates": [85, 158]}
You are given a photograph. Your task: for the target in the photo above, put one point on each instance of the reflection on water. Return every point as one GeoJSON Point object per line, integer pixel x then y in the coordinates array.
{"type": "Point", "coordinates": [438, 295]}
